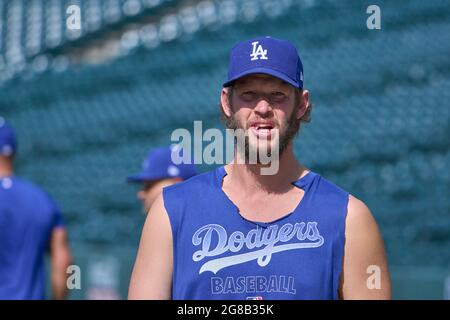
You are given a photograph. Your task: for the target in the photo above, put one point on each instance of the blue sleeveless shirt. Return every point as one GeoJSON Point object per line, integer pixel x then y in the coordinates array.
{"type": "Point", "coordinates": [218, 254]}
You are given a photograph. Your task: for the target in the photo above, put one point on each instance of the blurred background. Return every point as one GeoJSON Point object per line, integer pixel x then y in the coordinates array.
{"type": "Point", "coordinates": [87, 105]}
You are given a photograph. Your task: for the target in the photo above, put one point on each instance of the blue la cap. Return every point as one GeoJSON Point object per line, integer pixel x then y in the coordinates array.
{"type": "Point", "coordinates": [159, 165]}
{"type": "Point", "coordinates": [275, 57]}
{"type": "Point", "coordinates": [8, 142]}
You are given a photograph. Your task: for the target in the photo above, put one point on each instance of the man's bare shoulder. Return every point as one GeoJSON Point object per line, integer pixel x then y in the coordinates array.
{"type": "Point", "coordinates": [364, 252]}
{"type": "Point", "coordinates": [359, 215]}
{"type": "Point", "coordinates": [157, 218]}
{"type": "Point", "coordinates": [152, 272]}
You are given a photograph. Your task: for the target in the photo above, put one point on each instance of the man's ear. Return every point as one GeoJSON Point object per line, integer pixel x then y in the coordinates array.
{"type": "Point", "coordinates": [226, 106]}
{"type": "Point", "coordinates": [141, 194]}
{"type": "Point", "coordinates": [303, 102]}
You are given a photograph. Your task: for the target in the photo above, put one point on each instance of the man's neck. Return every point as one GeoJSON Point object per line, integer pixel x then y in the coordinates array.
{"type": "Point", "coordinates": [6, 168]}
{"type": "Point", "coordinates": [249, 177]}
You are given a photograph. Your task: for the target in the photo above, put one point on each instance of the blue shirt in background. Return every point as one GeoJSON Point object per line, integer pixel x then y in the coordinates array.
{"type": "Point", "coordinates": [27, 218]}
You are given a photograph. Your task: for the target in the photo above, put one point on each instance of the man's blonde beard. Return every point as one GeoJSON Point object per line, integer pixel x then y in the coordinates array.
{"type": "Point", "coordinates": [292, 126]}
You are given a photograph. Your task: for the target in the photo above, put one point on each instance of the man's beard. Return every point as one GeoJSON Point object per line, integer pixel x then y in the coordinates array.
{"type": "Point", "coordinates": [292, 126]}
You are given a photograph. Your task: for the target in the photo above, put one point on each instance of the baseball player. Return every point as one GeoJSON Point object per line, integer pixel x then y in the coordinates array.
{"type": "Point", "coordinates": [235, 233]}
{"type": "Point", "coordinates": [31, 225]}
{"type": "Point", "coordinates": [158, 172]}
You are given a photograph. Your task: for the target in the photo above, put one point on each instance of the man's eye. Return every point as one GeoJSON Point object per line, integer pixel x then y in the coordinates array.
{"type": "Point", "coordinates": [249, 95]}
{"type": "Point", "coordinates": [278, 96]}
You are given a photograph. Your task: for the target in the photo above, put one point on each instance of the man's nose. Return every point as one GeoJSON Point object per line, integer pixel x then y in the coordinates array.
{"type": "Point", "coordinates": [263, 106]}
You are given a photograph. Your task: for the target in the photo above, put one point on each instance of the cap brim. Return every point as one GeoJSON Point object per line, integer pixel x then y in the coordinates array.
{"type": "Point", "coordinates": [267, 71]}
{"type": "Point", "coordinates": [143, 176]}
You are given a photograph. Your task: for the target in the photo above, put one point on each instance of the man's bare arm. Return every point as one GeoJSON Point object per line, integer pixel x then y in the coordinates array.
{"type": "Point", "coordinates": [152, 272]}
{"type": "Point", "coordinates": [364, 252]}
{"type": "Point", "coordinates": [61, 258]}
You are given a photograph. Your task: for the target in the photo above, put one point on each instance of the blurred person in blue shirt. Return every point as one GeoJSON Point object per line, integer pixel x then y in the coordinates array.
{"type": "Point", "coordinates": [31, 225]}
{"type": "Point", "coordinates": [159, 171]}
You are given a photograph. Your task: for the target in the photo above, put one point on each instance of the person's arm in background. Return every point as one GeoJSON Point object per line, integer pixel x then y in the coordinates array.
{"type": "Point", "coordinates": [364, 249]}
{"type": "Point", "coordinates": [152, 273]}
{"type": "Point", "coordinates": [61, 258]}
{"type": "Point", "coordinates": [60, 254]}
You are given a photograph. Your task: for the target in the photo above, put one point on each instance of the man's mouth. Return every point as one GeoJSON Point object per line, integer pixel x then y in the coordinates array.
{"type": "Point", "coordinates": [262, 129]}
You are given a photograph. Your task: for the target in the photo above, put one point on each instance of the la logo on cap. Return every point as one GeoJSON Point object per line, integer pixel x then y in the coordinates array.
{"type": "Point", "coordinates": [258, 52]}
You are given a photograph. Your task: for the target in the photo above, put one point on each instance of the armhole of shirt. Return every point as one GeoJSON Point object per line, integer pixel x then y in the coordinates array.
{"type": "Point", "coordinates": [339, 250]}
{"type": "Point", "coordinates": [174, 223]}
